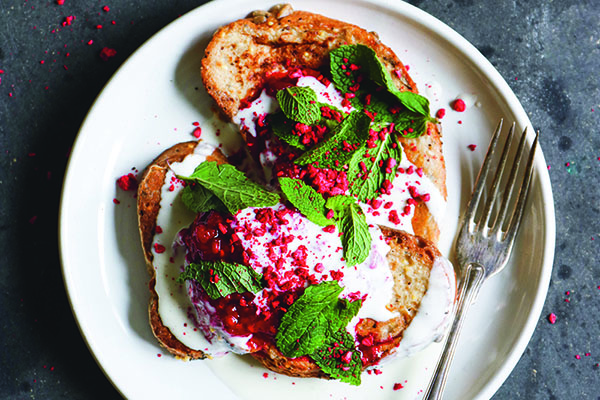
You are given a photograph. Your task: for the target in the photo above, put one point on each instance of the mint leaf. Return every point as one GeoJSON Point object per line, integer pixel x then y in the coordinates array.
{"type": "Point", "coordinates": [374, 72]}
{"type": "Point", "coordinates": [306, 199]}
{"type": "Point", "coordinates": [339, 204]}
{"type": "Point", "coordinates": [339, 146]}
{"type": "Point", "coordinates": [199, 199]}
{"type": "Point", "coordinates": [365, 172]}
{"type": "Point", "coordinates": [220, 279]}
{"type": "Point", "coordinates": [231, 186]}
{"type": "Point", "coordinates": [351, 222]}
{"type": "Point", "coordinates": [339, 359]}
{"type": "Point", "coordinates": [342, 313]}
{"type": "Point", "coordinates": [299, 103]}
{"type": "Point", "coordinates": [412, 101]}
{"type": "Point", "coordinates": [283, 128]}
{"type": "Point", "coordinates": [356, 239]}
{"type": "Point", "coordinates": [313, 319]}
{"type": "Point", "coordinates": [304, 327]}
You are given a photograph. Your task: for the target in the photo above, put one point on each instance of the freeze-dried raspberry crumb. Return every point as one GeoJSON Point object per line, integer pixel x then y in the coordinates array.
{"type": "Point", "coordinates": [68, 20]}
{"type": "Point", "coordinates": [60, 2]}
{"type": "Point", "coordinates": [197, 132]}
{"type": "Point", "coordinates": [159, 248]}
{"type": "Point", "coordinates": [472, 147]}
{"type": "Point", "coordinates": [552, 318]}
{"type": "Point", "coordinates": [440, 113]}
{"type": "Point", "coordinates": [107, 53]}
{"type": "Point", "coordinates": [90, 42]}
{"type": "Point", "coordinates": [127, 182]}
{"type": "Point", "coordinates": [106, 8]}
{"type": "Point", "coordinates": [459, 105]}
{"type": "Point", "coordinates": [398, 386]}
{"type": "Point", "coordinates": [116, 201]}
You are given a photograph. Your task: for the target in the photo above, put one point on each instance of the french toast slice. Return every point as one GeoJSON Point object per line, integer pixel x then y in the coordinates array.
{"type": "Point", "coordinates": [411, 259]}
{"type": "Point", "coordinates": [242, 54]}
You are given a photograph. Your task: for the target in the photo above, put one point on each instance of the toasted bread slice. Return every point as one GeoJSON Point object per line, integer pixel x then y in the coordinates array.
{"type": "Point", "coordinates": [243, 53]}
{"type": "Point", "coordinates": [411, 259]}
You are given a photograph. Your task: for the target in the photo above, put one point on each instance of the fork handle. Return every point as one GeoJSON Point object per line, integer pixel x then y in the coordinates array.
{"type": "Point", "coordinates": [467, 293]}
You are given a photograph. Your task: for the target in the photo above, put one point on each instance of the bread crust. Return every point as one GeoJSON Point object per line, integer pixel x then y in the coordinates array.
{"type": "Point", "coordinates": [148, 206]}
{"type": "Point", "coordinates": [242, 53]}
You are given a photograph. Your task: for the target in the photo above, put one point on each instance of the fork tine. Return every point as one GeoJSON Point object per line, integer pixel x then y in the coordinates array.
{"type": "Point", "coordinates": [499, 222]}
{"type": "Point", "coordinates": [487, 212]}
{"type": "Point", "coordinates": [516, 217]}
{"type": "Point", "coordinates": [480, 182]}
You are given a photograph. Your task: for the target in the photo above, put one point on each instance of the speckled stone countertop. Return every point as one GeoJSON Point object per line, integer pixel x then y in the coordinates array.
{"type": "Point", "coordinates": [548, 52]}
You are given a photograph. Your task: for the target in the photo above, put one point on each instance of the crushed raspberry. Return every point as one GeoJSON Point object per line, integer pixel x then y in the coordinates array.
{"type": "Point", "coordinates": [472, 147]}
{"type": "Point", "coordinates": [441, 113]}
{"type": "Point", "coordinates": [127, 182]}
{"type": "Point", "coordinates": [68, 20]}
{"type": "Point", "coordinates": [329, 229]}
{"type": "Point", "coordinates": [107, 53]}
{"type": "Point", "coordinates": [159, 248]}
{"type": "Point", "coordinates": [326, 181]}
{"type": "Point", "coordinates": [459, 105]}
{"type": "Point", "coordinates": [398, 386]}
{"type": "Point", "coordinates": [393, 217]}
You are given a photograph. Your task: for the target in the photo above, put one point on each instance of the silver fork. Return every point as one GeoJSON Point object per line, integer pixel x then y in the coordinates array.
{"type": "Point", "coordinates": [486, 238]}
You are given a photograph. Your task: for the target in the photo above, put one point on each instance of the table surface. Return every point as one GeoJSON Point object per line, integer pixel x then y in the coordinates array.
{"type": "Point", "coordinates": [548, 52]}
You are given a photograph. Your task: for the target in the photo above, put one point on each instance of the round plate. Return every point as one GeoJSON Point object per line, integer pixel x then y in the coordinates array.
{"type": "Point", "coordinates": [150, 104]}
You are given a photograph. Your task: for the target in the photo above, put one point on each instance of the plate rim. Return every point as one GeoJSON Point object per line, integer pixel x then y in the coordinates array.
{"type": "Point", "coordinates": [468, 52]}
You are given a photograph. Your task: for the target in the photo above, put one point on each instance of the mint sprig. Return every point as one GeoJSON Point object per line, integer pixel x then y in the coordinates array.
{"type": "Point", "coordinates": [299, 103]}
{"type": "Point", "coordinates": [371, 68]}
{"type": "Point", "coordinates": [313, 319]}
{"type": "Point", "coordinates": [231, 186]}
{"type": "Point", "coordinates": [219, 278]}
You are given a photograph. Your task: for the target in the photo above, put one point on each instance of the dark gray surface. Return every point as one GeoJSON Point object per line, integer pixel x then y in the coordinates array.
{"type": "Point", "coordinates": [549, 53]}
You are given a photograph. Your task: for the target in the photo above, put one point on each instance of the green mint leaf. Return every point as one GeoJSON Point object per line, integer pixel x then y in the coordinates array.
{"type": "Point", "coordinates": [339, 358]}
{"type": "Point", "coordinates": [231, 186]}
{"type": "Point", "coordinates": [283, 128]}
{"type": "Point", "coordinates": [373, 70]}
{"type": "Point", "coordinates": [365, 172]}
{"type": "Point", "coordinates": [339, 203]}
{"type": "Point", "coordinates": [340, 145]}
{"type": "Point", "coordinates": [342, 313]}
{"type": "Point", "coordinates": [356, 239]}
{"type": "Point", "coordinates": [351, 222]}
{"type": "Point", "coordinates": [199, 199]}
{"type": "Point", "coordinates": [305, 326]}
{"type": "Point", "coordinates": [413, 101]}
{"type": "Point", "coordinates": [409, 125]}
{"type": "Point", "coordinates": [306, 199]}
{"type": "Point", "coordinates": [220, 279]}
{"type": "Point", "coordinates": [299, 103]}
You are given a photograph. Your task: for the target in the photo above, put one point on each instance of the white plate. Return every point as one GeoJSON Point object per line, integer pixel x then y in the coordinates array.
{"type": "Point", "coordinates": [151, 103]}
